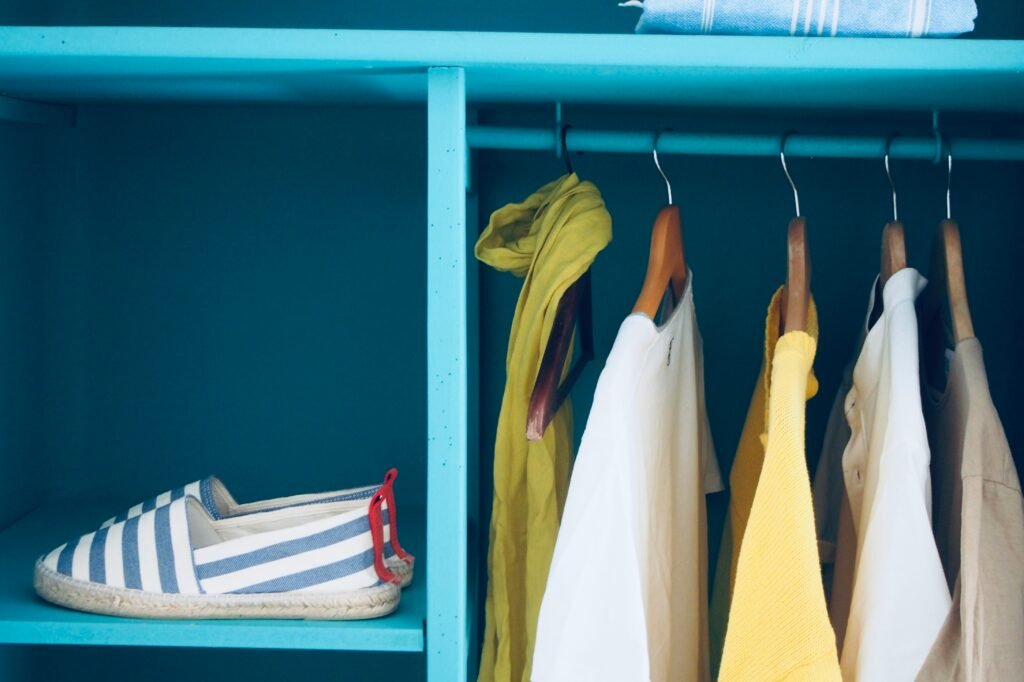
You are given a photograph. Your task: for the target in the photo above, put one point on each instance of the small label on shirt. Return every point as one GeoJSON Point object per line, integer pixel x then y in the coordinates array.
{"type": "Point", "coordinates": [668, 360]}
{"type": "Point", "coordinates": [948, 356]}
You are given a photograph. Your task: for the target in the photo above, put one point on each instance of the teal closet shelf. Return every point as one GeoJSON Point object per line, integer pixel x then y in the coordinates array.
{"type": "Point", "coordinates": [75, 64]}
{"type": "Point", "coordinates": [27, 619]}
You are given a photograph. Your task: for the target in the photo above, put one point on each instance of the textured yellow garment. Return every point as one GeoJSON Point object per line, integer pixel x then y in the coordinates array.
{"type": "Point", "coordinates": [778, 626]}
{"type": "Point", "coordinates": [551, 238]}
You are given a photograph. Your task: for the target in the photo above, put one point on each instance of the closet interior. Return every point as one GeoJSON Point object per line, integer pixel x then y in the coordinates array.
{"type": "Point", "coordinates": [248, 252]}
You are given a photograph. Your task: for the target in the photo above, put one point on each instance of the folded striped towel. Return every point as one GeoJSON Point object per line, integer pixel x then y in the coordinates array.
{"type": "Point", "coordinates": [880, 18]}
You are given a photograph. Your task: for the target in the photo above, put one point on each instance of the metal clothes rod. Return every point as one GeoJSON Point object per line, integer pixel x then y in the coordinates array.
{"type": "Point", "coordinates": [718, 144]}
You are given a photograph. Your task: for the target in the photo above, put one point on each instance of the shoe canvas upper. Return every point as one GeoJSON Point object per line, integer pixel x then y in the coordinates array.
{"type": "Point", "coordinates": [215, 498]}
{"type": "Point", "coordinates": [179, 548]}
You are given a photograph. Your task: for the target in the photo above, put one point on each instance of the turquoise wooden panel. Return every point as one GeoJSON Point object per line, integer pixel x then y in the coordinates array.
{"type": "Point", "coordinates": [13, 663]}
{"type": "Point", "coordinates": [23, 169]}
{"type": "Point", "coordinates": [327, 65]}
{"type": "Point", "coordinates": [235, 301]}
{"type": "Point", "coordinates": [476, 539]}
{"type": "Point", "coordinates": [24, 111]}
{"type": "Point", "coordinates": [23, 151]}
{"type": "Point", "coordinates": [997, 18]}
{"type": "Point", "coordinates": [155, 664]}
{"type": "Point", "coordinates": [447, 377]}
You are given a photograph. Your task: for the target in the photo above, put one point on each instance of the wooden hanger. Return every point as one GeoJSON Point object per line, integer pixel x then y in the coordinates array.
{"type": "Point", "coordinates": [947, 268]}
{"type": "Point", "coordinates": [947, 271]}
{"type": "Point", "coordinates": [894, 251]}
{"type": "Point", "coordinates": [894, 239]}
{"type": "Point", "coordinates": [574, 309]}
{"type": "Point", "coordinates": [796, 298]}
{"type": "Point", "coordinates": [797, 294]}
{"type": "Point", "coordinates": [666, 263]}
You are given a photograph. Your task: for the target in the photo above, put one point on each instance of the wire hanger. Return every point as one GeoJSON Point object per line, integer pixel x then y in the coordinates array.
{"type": "Point", "coordinates": [575, 310]}
{"type": "Point", "coordinates": [948, 266]}
{"type": "Point", "coordinates": [894, 240]}
{"type": "Point", "coordinates": [666, 264]}
{"type": "Point", "coordinates": [797, 293]}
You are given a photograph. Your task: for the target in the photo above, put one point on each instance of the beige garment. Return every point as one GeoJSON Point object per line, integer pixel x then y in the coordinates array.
{"type": "Point", "coordinates": [979, 523]}
{"type": "Point", "coordinates": [832, 515]}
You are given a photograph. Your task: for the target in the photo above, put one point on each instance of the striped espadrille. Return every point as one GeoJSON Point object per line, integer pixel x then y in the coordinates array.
{"type": "Point", "coordinates": [322, 561]}
{"type": "Point", "coordinates": [221, 504]}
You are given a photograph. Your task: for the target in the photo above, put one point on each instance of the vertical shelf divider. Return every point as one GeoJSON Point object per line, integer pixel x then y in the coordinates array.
{"type": "Point", "coordinates": [447, 377]}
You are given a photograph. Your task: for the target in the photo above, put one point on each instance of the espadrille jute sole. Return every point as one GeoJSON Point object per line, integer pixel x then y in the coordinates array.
{"type": "Point", "coordinates": [402, 570]}
{"type": "Point", "coordinates": [114, 601]}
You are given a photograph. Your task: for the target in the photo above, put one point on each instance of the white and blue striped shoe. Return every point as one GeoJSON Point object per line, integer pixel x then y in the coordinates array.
{"type": "Point", "coordinates": [319, 561]}
{"type": "Point", "coordinates": [220, 504]}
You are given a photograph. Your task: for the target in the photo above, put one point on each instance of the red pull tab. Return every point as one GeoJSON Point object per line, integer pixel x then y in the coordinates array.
{"type": "Point", "coordinates": [377, 533]}
{"type": "Point", "coordinates": [388, 490]}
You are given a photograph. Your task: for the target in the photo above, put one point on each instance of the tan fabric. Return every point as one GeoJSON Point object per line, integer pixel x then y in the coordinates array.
{"type": "Point", "coordinates": [833, 518]}
{"type": "Point", "coordinates": [834, 524]}
{"type": "Point", "coordinates": [979, 524]}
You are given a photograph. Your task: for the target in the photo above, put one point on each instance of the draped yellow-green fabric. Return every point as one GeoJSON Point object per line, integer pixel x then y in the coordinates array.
{"type": "Point", "coordinates": [551, 238]}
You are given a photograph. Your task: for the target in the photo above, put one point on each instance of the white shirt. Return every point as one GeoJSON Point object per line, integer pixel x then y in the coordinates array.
{"type": "Point", "coordinates": [626, 596]}
{"type": "Point", "coordinates": [900, 596]}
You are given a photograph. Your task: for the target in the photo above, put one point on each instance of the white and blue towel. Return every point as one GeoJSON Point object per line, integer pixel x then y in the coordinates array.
{"type": "Point", "coordinates": [178, 548]}
{"type": "Point", "coordinates": [879, 18]}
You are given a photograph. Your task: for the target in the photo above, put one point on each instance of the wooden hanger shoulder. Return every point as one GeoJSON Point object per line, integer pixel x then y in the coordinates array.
{"type": "Point", "coordinates": [666, 264]}
{"type": "Point", "coordinates": [949, 257]}
{"type": "Point", "coordinates": [894, 251]}
{"type": "Point", "coordinates": [798, 278]}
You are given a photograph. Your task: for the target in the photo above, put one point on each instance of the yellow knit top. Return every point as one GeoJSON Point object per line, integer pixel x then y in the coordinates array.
{"type": "Point", "coordinates": [778, 626]}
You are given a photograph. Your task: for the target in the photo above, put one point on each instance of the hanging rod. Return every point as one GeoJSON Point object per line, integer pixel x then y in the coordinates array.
{"type": "Point", "coordinates": [718, 144]}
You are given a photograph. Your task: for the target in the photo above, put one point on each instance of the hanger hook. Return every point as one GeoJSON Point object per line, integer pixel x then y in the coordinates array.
{"type": "Point", "coordinates": [949, 180]}
{"type": "Point", "coordinates": [888, 174]}
{"type": "Point", "coordinates": [657, 163]}
{"type": "Point", "coordinates": [565, 150]}
{"type": "Point", "coordinates": [782, 157]}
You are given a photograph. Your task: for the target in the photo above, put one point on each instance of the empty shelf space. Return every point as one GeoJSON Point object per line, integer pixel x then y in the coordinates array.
{"type": "Point", "coordinates": [27, 619]}
{"type": "Point", "coordinates": [76, 64]}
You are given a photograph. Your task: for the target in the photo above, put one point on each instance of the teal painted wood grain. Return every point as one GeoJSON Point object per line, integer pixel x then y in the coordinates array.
{"type": "Point", "coordinates": [323, 65]}
{"type": "Point", "coordinates": [476, 536]}
{"type": "Point", "coordinates": [232, 301]}
{"type": "Point", "coordinates": [24, 152]}
{"type": "Point", "coordinates": [997, 18]}
{"type": "Point", "coordinates": [24, 111]}
{"type": "Point", "coordinates": [447, 377]}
